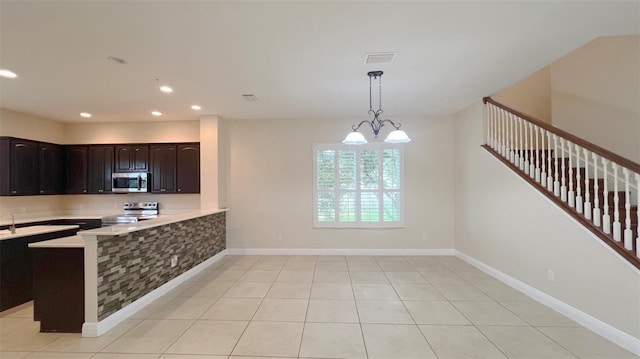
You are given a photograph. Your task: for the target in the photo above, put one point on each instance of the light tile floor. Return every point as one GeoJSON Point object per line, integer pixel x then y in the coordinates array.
{"type": "Point", "coordinates": [325, 307]}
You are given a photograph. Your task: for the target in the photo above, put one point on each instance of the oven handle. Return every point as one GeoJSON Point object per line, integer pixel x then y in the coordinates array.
{"type": "Point", "coordinates": [139, 182]}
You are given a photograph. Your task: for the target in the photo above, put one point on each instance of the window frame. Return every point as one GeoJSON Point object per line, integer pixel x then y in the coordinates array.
{"type": "Point", "coordinates": [358, 223]}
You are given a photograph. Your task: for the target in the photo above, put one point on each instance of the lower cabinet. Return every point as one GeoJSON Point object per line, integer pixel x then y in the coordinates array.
{"type": "Point", "coordinates": [58, 289]}
{"type": "Point", "coordinates": [16, 271]}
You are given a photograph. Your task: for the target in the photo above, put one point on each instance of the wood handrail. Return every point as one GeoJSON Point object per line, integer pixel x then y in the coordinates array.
{"type": "Point", "coordinates": [625, 162]}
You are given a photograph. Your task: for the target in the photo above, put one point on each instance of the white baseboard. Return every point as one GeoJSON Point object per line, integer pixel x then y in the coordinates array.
{"type": "Point", "coordinates": [340, 252]}
{"type": "Point", "coordinates": [96, 329]}
{"type": "Point", "coordinates": [597, 326]}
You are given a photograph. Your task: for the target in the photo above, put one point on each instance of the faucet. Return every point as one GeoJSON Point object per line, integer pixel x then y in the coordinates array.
{"type": "Point", "coordinates": [12, 227]}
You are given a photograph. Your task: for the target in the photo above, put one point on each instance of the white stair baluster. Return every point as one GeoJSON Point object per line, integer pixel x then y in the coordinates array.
{"type": "Point", "coordinates": [628, 240]}
{"type": "Point", "coordinates": [550, 174]}
{"type": "Point", "coordinates": [556, 183]}
{"type": "Point", "coordinates": [570, 193]}
{"type": "Point", "coordinates": [487, 110]}
{"type": "Point", "coordinates": [525, 167]}
{"type": "Point", "coordinates": [507, 128]}
{"type": "Point", "coordinates": [512, 153]}
{"type": "Point", "coordinates": [579, 204]}
{"type": "Point", "coordinates": [543, 173]}
{"type": "Point", "coordinates": [606, 218]}
{"type": "Point", "coordinates": [563, 169]}
{"type": "Point", "coordinates": [519, 160]}
{"type": "Point", "coordinates": [502, 146]}
{"type": "Point", "coordinates": [537, 167]}
{"type": "Point", "coordinates": [638, 225]}
{"type": "Point", "coordinates": [532, 166]}
{"type": "Point", "coordinates": [494, 140]}
{"type": "Point", "coordinates": [616, 204]}
{"type": "Point", "coordinates": [597, 217]}
{"type": "Point", "coordinates": [587, 194]}
{"type": "Point", "coordinates": [503, 135]}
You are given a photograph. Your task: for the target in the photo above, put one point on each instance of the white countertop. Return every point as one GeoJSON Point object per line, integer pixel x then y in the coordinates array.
{"type": "Point", "coordinates": [137, 226]}
{"type": "Point", "coordinates": [32, 231]}
{"type": "Point", "coordinates": [64, 242]}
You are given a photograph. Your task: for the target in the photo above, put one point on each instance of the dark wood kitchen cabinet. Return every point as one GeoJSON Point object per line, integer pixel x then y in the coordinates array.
{"type": "Point", "coordinates": [77, 171]}
{"type": "Point", "coordinates": [51, 158]}
{"type": "Point", "coordinates": [100, 168]}
{"type": "Point", "coordinates": [163, 168]}
{"type": "Point", "coordinates": [132, 158]}
{"type": "Point", "coordinates": [188, 168]}
{"type": "Point", "coordinates": [19, 167]}
{"type": "Point", "coordinates": [16, 271]}
{"type": "Point", "coordinates": [30, 167]}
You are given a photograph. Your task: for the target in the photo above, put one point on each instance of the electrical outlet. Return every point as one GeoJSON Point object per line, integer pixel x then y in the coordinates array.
{"type": "Point", "coordinates": [425, 237]}
{"type": "Point", "coordinates": [551, 276]}
{"type": "Point", "coordinates": [174, 261]}
{"type": "Point", "coordinates": [279, 236]}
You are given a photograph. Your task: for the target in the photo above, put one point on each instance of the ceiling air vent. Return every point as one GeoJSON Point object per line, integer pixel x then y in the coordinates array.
{"type": "Point", "coordinates": [380, 58]}
{"type": "Point", "coordinates": [250, 98]}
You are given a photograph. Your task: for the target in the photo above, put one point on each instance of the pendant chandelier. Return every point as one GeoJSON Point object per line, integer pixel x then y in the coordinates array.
{"type": "Point", "coordinates": [395, 136]}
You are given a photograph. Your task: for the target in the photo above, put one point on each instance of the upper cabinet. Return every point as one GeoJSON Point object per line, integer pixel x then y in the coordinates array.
{"type": "Point", "coordinates": [188, 168]}
{"type": "Point", "coordinates": [163, 168]}
{"type": "Point", "coordinates": [19, 167]}
{"type": "Point", "coordinates": [131, 158]}
{"type": "Point", "coordinates": [100, 168]}
{"type": "Point", "coordinates": [52, 176]}
{"type": "Point", "coordinates": [30, 167]}
{"type": "Point", "coordinates": [77, 171]}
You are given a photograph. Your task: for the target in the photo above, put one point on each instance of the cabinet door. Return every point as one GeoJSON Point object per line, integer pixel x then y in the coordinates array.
{"type": "Point", "coordinates": [188, 168]}
{"type": "Point", "coordinates": [123, 158]}
{"type": "Point", "coordinates": [100, 168]}
{"type": "Point", "coordinates": [51, 158]}
{"type": "Point", "coordinates": [163, 168]}
{"type": "Point", "coordinates": [77, 157]}
{"type": "Point", "coordinates": [24, 167]}
{"type": "Point", "coordinates": [132, 158]}
{"type": "Point", "coordinates": [140, 158]}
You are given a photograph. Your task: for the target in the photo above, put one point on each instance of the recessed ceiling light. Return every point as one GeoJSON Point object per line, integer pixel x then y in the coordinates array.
{"type": "Point", "coordinates": [8, 74]}
{"type": "Point", "coordinates": [166, 89]}
{"type": "Point", "coordinates": [85, 114]}
{"type": "Point", "coordinates": [196, 107]}
{"type": "Point", "coordinates": [156, 113]}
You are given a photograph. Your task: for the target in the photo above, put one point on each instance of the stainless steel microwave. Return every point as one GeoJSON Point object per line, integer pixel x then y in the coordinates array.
{"type": "Point", "coordinates": [126, 182]}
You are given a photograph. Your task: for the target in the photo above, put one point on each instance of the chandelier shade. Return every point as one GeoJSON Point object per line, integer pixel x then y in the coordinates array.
{"type": "Point", "coordinates": [354, 138]}
{"type": "Point", "coordinates": [395, 136]}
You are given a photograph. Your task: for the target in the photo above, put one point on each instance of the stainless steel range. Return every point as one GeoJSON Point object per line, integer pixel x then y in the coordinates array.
{"type": "Point", "coordinates": [133, 212]}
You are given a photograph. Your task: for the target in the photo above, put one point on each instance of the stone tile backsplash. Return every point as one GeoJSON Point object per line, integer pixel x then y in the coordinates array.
{"type": "Point", "coordinates": [134, 264]}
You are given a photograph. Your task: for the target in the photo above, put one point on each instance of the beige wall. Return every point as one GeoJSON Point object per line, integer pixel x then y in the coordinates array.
{"type": "Point", "coordinates": [16, 124]}
{"type": "Point", "coordinates": [135, 132]}
{"type": "Point", "coordinates": [531, 96]}
{"type": "Point", "coordinates": [595, 94]}
{"type": "Point", "coordinates": [270, 186]}
{"type": "Point", "coordinates": [494, 225]}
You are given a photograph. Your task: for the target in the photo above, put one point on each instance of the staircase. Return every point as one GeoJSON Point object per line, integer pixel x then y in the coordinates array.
{"type": "Point", "coordinates": [595, 186]}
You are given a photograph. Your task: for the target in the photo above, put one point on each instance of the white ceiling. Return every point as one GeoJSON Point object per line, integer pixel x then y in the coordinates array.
{"type": "Point", "coordinates": [301, 59]}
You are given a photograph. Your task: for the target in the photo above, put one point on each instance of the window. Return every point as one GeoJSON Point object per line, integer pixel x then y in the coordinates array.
{"type": "Point", "coordinates": [358, 187]}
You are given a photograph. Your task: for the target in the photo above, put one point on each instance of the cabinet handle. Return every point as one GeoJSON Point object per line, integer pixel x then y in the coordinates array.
{"type": "Point", "coordinates": [41, 191]}
{"type": "Point", "coordinates": [84, 190]}
{"type": "Point", "coordinates": [179, 189]}
{"type": "Point", "coordinates": [14, 192]}
{"type": "Point", "coordinates": [100, 190]}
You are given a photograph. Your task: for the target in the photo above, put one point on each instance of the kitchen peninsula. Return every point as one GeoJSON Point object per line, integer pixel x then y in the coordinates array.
{"type": "Point", "coordinates": [128, 266]}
